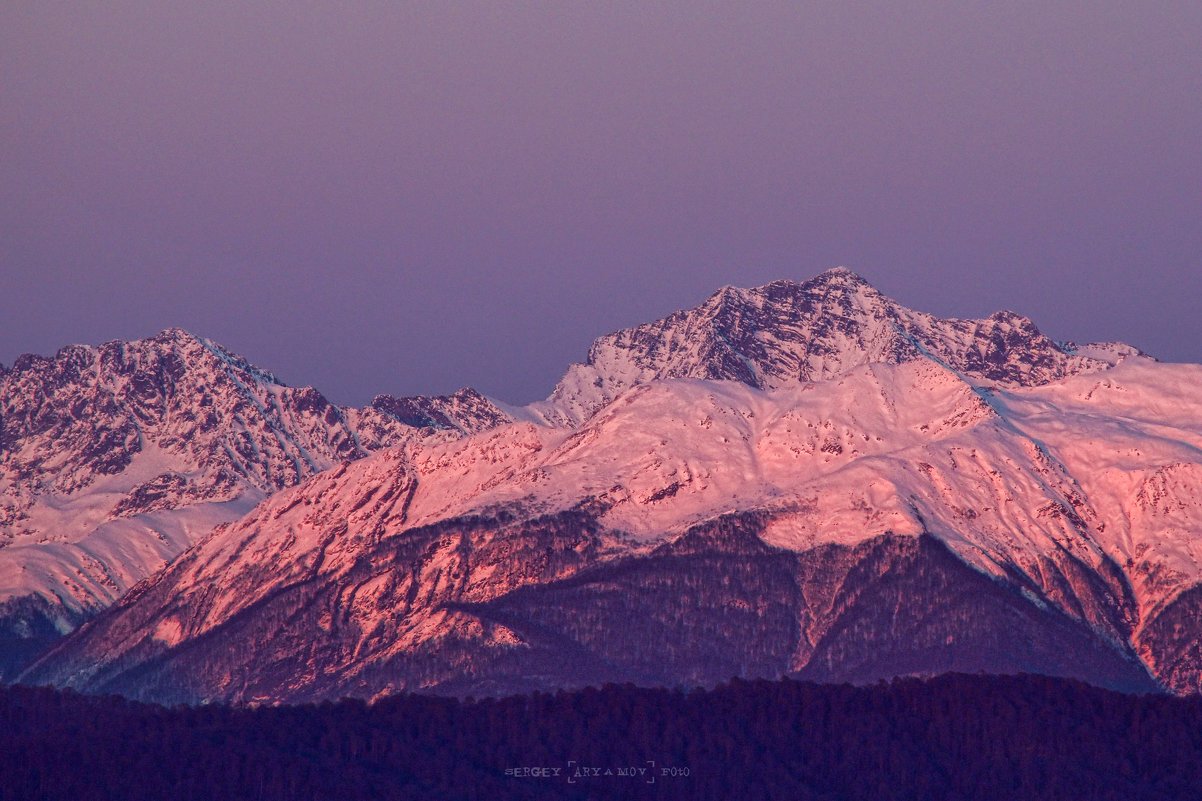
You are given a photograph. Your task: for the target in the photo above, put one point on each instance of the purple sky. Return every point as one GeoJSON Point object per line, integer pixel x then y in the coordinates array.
{"type": "Point", "coordinates": [411, 198]}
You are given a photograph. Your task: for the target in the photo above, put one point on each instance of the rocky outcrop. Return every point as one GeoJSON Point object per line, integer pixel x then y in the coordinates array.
{"type": "Point", "coordinates": [789, 332]}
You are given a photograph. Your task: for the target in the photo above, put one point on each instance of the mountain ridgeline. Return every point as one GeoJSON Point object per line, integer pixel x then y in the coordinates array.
{"type": "Point", "coordinates": [802, 479]}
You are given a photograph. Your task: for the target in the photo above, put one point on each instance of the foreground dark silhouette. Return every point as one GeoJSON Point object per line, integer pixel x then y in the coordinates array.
{"type": "Point", "coordinates": [952, 737]}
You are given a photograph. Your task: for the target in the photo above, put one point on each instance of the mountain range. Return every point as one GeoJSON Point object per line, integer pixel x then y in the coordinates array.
{"type": "Point", "coordinates": [804, 479]}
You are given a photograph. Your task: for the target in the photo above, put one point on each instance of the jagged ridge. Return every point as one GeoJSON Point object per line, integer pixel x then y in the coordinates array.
{"type": "Point", "coordinates": [788, 332]}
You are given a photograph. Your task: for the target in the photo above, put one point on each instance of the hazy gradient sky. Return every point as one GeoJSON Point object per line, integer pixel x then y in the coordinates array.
{"type": "Point", "coordinates": [413, 197]}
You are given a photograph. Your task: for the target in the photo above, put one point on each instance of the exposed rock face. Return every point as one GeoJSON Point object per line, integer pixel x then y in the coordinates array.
{"type": "Point", "coordinates": [465, 411]}
{"type": "Point", "coordinates": [788, 332]}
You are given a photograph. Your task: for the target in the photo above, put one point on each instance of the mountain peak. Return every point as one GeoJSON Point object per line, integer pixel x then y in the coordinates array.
{"type": "Point", "coordinates": [174, 334]}
{"type": "Point", "coordinates": [839, 275]}
{"type": "Point", "coordinates": [465, 410]}
{"type": "Point", "coordinates": [1008, 316]}
{"type": "Point", "coordinates": [725, 296]}
{"type": "Point", "coordinates": [786, 332]}
{"type": "Point", "coordinates": [836, 279]}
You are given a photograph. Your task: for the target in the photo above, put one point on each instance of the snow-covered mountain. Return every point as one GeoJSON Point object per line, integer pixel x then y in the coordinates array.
{"type": "Point", "coordinates": [113, 459]}
{"type": "Point", "coordinates": [787, 332]}
{"type": "Point", "coordinates": [801, 479]}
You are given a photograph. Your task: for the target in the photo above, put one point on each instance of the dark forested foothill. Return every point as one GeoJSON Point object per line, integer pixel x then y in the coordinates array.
{"type": "Point", "coordinates": [951, 737]}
